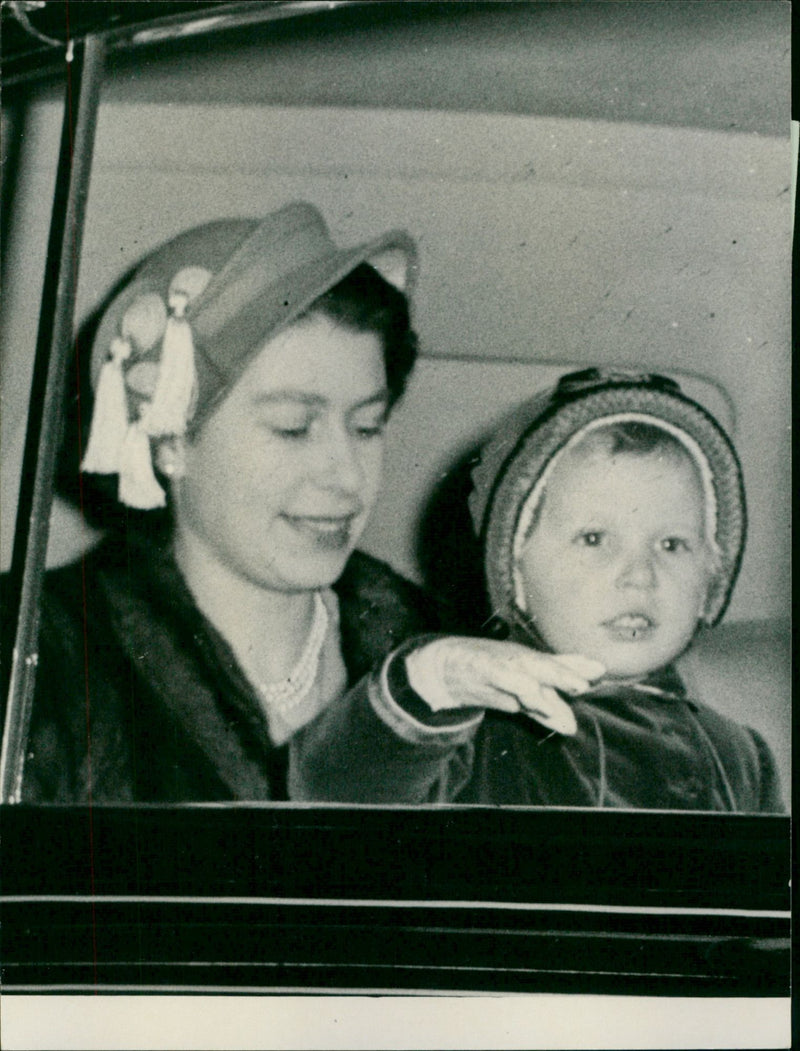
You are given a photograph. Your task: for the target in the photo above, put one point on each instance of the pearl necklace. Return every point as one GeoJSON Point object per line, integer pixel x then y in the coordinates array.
{"type": "Point", "coordinates": [289, 692]}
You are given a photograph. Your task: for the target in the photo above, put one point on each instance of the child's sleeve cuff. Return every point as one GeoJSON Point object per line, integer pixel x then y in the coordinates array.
{"type": "Point", "coordinates": [401, 709]}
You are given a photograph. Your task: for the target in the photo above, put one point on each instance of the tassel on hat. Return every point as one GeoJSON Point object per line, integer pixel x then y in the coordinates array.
{"type": "Point", "coordinates": [176, 375]}
{"type": "Point", "coordinates": [110, 417]}
{"type": "Point", "coordinates": [142, 326]}
{"type": "Point", "coordinates": [175, 388]}
{"type": "Point", "coordinates": [169, 410]}
{"type": "Point", "coordinates": [117, 445]}
{"type": "Point", "coordinates": [138, 485]}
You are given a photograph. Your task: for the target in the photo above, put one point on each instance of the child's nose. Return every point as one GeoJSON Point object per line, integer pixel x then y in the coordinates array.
{"type": "Point", "coordinates": [637, 570]}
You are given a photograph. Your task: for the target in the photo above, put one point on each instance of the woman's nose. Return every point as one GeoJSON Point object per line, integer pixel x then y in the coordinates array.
{"type": "Point", "coordinates": [340, 465]}
{"type": "Point", "coordinates": [637, 570]}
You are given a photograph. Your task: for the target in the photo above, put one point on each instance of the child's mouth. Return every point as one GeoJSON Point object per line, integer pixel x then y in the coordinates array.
{"type": "Point", "coordinates": [631, 627]}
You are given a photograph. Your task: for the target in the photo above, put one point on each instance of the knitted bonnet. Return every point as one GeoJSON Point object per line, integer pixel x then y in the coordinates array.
{"type": "Point", "coordinates": [193, 315]}
{"type": "Point", "coordinates": [514, 465]}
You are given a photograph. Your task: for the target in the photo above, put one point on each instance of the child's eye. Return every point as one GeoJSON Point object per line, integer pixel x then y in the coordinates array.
{"type": "Point", "coordinates": [590, 538]}
{"type": "Point", "coordinates": [673, 544]}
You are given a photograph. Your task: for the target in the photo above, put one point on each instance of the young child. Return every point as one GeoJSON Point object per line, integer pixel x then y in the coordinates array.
{"type": "Point", "coordinates": [612, 516]}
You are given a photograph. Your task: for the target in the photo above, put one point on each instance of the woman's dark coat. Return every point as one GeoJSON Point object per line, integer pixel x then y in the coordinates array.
{"type": "Point", "coordinates": [138, 697]}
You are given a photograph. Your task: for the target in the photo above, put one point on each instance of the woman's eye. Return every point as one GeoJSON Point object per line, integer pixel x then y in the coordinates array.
{"type": "Point", "coordinates": [289, 430]}
{"type": "Point", "coordinates": [288, 425]}
{"type": "Point", "coordinates": [374, 430]}
{"type": "Point", "coordinates": [369, 428]}
{"type": "Point", "coordinates": [673, 544]}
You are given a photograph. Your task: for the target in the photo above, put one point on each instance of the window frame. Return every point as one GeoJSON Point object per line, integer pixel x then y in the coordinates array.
{"type": "Point", "coordinates": [277, 898]}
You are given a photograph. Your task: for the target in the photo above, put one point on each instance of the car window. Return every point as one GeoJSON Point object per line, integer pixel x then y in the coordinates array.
{"type": "Point", "coordinates": [649, 230]}
{"type": "Point", "coordinates": [670, 227]}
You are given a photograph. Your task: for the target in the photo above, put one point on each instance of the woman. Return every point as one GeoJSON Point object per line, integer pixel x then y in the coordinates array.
{"type": "Point", "coordinates": [243, 378]}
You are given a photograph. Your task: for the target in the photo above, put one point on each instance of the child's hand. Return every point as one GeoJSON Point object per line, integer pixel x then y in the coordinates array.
{"type": "Point", "coordinates": [458, 672]}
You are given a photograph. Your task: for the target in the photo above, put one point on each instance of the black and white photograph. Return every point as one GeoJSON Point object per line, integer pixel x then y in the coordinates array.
{"type": "Point", "coordinates": [395, 523]}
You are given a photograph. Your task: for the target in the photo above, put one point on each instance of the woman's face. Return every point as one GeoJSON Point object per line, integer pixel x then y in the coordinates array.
{"type": "Point", "coordinates": [278, 485]}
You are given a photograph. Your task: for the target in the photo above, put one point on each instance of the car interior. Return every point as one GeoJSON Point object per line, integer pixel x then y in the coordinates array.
{"type": "Point", "coordinates": [605, 222]}
{"type": "Point", "coordinates": [589, 184]}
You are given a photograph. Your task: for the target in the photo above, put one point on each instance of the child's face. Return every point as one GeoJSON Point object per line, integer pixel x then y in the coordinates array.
{"type": "Point", "coordinates": [618, 566]}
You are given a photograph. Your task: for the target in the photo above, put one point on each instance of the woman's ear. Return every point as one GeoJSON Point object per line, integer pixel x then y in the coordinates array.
{"type": "Point", "coordinates": [170, 457]}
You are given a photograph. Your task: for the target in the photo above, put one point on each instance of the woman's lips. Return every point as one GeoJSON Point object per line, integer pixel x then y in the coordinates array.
{"type": "Point", "coordinates": [630, 627]}
{"type": "Point", "coordinates": [331, 533]}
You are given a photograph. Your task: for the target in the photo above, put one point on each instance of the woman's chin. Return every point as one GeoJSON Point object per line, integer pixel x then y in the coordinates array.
{"type": "Point", "coordinates": [320, 571]}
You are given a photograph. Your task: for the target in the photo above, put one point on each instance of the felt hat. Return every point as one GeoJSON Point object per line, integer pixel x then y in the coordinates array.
{"type": "Point", "coordinates": [192, 316]}
{"type": "Point", "coordinates": [509, 479]}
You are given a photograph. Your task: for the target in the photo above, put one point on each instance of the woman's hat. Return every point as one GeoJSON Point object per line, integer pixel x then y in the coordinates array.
{"type": "Point", "coordinates": [509, 480]}
{"type": "Point", "coordinates": [193, 315]}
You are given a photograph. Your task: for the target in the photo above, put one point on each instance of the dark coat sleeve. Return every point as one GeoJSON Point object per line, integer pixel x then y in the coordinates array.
{"type": "Point", "coordinates": [362, 748]}
{"type": "Point", "coordinates": [348, 754]}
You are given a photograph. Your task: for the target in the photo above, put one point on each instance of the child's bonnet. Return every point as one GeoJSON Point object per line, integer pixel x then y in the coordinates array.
{"type": "Point", "coordinates": [515, 463]}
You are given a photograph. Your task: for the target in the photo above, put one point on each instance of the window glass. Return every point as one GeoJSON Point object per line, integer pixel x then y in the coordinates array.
{"type": "Point", "coordinates": [580, 198]}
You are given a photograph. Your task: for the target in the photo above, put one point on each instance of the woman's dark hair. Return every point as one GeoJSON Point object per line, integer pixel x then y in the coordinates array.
{"type": "Point", "coordinates": [365, 302]}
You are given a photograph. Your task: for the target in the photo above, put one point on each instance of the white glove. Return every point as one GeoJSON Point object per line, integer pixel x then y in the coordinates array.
{"type": "Point", "coordinates": [456, 672]}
